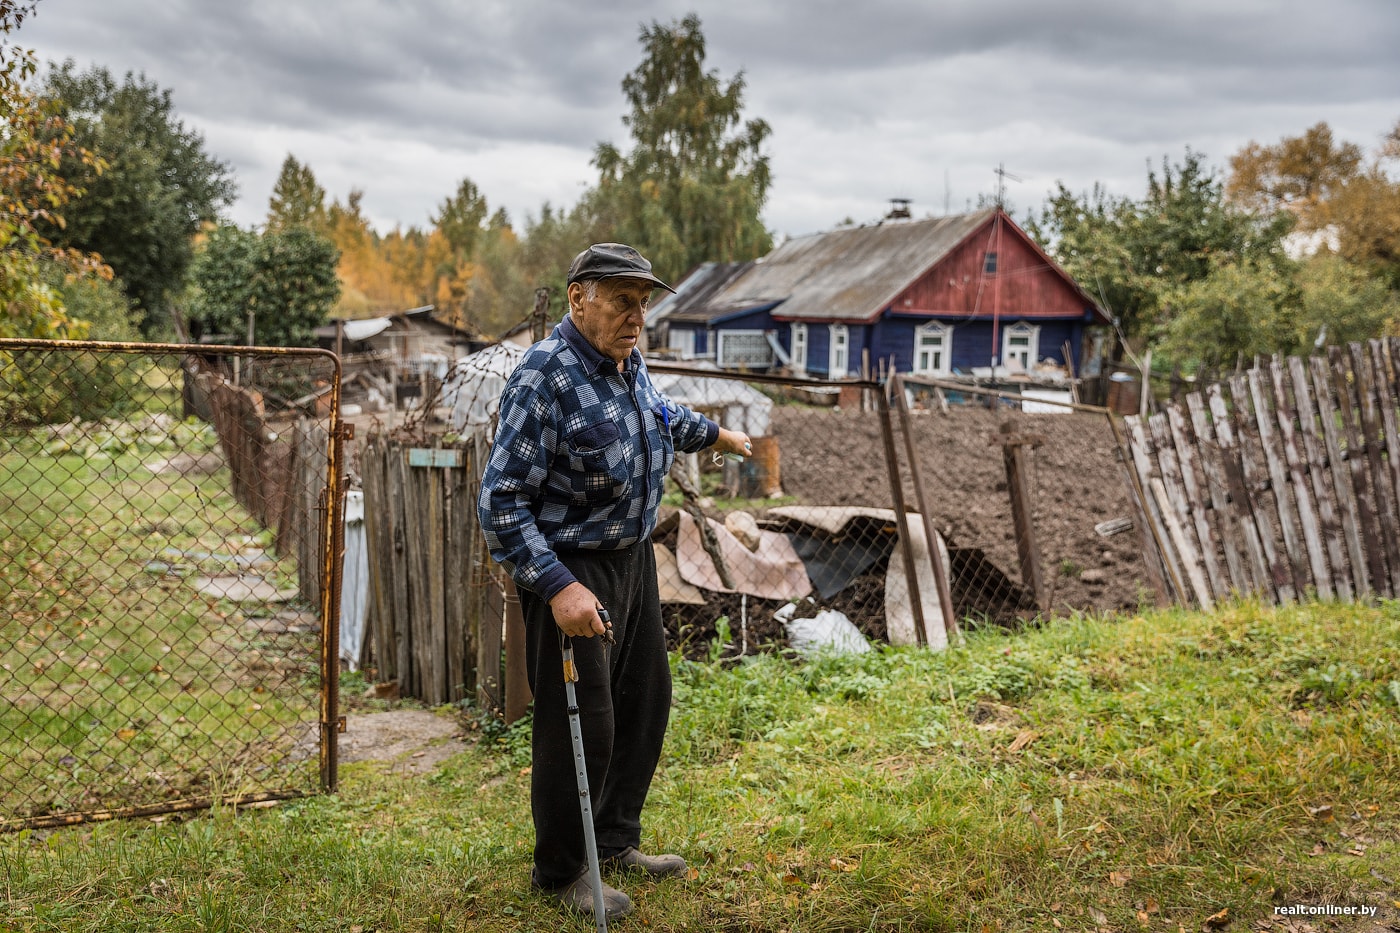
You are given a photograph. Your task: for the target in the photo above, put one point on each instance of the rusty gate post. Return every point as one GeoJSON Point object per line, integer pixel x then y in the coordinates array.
{"type": "Point", "coordinates": [911, 572]}
{"type": "Point", "coordinates": [1013, 447]}
{"type": "Point", "coordinates": [935, 554]}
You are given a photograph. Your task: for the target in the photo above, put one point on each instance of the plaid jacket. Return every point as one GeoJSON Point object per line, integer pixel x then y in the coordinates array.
{"type": "Point", "coordinates": [580, 456]}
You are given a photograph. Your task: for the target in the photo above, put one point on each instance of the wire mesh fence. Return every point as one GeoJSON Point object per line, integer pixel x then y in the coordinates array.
{"type": "Point", "coordinates": [819, 536]}
{"type": "Point", "coordinates": [163, 578]}
{"type": "Point", "coordinates": [1034, 502]}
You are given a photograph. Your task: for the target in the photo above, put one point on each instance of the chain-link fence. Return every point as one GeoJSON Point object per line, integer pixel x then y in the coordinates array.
{"type": "Point", "coordinates": [1030, 493]}
{"type": "Point", "coordinates": [167, 561]}
{"type": "Point", "coordinates": [805, 542]}
{"type": "Point", "coordinates": [821, 535]}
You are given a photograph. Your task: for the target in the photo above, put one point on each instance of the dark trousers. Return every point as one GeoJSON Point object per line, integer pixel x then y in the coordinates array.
{"type": "Point", "coordinates": [624, 698]}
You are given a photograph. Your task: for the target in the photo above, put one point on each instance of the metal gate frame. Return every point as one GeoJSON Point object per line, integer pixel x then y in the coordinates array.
{"type": "Point", "coordinates": [332, 536]}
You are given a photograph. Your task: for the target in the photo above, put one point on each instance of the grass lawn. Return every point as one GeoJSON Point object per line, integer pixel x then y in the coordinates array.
{"type": "Point", "coordinates": [1144, 773]}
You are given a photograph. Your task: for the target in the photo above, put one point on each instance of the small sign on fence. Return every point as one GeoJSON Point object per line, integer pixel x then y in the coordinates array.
{"type": "Point", "coordinates": [434, 457]}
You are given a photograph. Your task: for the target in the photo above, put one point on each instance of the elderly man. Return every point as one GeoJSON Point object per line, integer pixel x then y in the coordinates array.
{"type": "Point", "coordinates": [568, 504]}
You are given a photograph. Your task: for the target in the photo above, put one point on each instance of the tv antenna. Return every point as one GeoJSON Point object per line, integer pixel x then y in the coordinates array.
{"type": "Point", "coordinates": [1002, 174]}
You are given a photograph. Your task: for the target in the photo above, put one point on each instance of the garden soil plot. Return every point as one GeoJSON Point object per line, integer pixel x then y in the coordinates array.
{"type": "Point", "coordinates": [837, 458]}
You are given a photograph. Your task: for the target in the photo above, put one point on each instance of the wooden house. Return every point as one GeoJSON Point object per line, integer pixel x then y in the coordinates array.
{"type": "Point", "coordinates": [941, 296]}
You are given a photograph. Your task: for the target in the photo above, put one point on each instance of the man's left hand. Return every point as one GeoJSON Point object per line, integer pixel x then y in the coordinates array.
{"type": "Point", "coordinates": [733, 442]}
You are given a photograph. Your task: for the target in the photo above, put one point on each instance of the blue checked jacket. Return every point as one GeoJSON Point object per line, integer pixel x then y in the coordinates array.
{"type": "Point", "coordinates": [579, 460]}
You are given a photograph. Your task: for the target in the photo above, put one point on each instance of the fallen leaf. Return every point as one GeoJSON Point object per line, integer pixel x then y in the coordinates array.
{"type": "Point", "coordinates": [1098, 916]}
{"type": "Point", "coordinates": [126, 735]}
{"type": "Point", "coordinates": [1023, 738]}
{"type": "Point", "coordinates": [1058, 924]}
{"type": "Point", "coordinates": [1152, 906]}
{"type": "Point", "coordinates": [1357, 851]}
{"type": "Point", "coordinates": [1318, 849]}
{"type": "Point", "coordinates": [1120, 879]}
{"type": "Point", "coordinates": [1056, 907]}
{"type": "Point", "coordinates": [692, 875]}
{"type": "Point", "coordinates": [748, 866]}
{"type": "Point", "coordinates": [790, 878]}
{"type": "Point", "coordinates": [1216, 921]}
{"type": "Point", "coordinates": [526, 770]}
{"type": "Point", "coordinates": [1143, 918]}
{"type": "Point", "coordinates": [1322, 814]}
{"type": "Point", "coordinates": [842, 865]}
{"type": "Point", "coordinates": [770, 858]}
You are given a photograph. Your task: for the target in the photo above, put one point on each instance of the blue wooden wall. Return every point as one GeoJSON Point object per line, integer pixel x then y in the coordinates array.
{"type": "Point", "coordinates": [972, 340]}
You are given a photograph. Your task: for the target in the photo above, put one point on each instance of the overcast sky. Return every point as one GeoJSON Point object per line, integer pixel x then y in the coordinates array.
{"type": "Point", "coordinates": [868, 99]}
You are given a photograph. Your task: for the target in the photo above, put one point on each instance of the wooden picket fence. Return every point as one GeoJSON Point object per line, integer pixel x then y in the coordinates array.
{"type": "Point", "coordinates": [1281, 482]}
{"type": "Point", "coordinates": [277, 468]}
{"type": "Point", "coordinates": [435, 600]}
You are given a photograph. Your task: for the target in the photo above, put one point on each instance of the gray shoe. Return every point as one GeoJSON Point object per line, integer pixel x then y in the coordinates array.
{"type": "Point", "coordinates": [578, 897]}
{"type": "Point", "coordinates": [657, 866]}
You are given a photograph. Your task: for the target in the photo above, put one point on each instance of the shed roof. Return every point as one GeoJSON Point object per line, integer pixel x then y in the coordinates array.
{"type": "Point", "coordinates": [693, 301]}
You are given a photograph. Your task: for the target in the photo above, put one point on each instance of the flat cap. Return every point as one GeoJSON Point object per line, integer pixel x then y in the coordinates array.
{"type": "Point", "coordinates": [612, 260]}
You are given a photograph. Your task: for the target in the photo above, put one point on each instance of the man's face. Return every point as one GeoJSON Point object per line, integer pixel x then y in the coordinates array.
{"type": "Point", "coordinates": [612, 320]}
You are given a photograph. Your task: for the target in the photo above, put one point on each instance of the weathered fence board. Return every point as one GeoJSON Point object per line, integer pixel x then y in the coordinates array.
{"type": "Point", "coordinates": [1233, 535]}
{"type": "Point", "coordinates": [1389, 444]}
{"type": "Point", "coordinates": [1314, 459]}
{"type": "Point", "coordinates": [432, 589]}
{"type": "Point", "coordinates": [1187, 553]}
{"type": "Point", "coordinates": [1257, 487]}
{"type": "Point", "coordinates": [1287, 471]}
{"type": "Point", "coordinates": [1258, 541]}
{"type": "Point", "coordinates": [1340, 376]}
{"type": "Point", "coordinates": [1302, 495]}
{"type": "Point", "coordinates": [1193, 484]}
{"type": "Point", "coordinates": [1341, 484]}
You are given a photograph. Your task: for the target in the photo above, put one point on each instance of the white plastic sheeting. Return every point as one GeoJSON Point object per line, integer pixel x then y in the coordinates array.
{"type": "Point", "coordinates": [354, 581]}
{"type": "Point", "coordinates": [744, 408]}
{"type": "Point", "coordinates": [473, 388]}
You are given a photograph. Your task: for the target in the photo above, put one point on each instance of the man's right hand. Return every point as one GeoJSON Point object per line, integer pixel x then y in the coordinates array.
{"type": "Point", "coordinates": [576, 611]}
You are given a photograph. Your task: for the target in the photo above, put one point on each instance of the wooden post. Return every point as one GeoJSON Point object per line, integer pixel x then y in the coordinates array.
{"type": "Point", "coordinates": [935, 554]}
{"type": "Point", "coordinates": [488, 644]}
{"type": "Point", "coordinates": [517, 677]}
{"type": "Point", "coordinates": [911, 573]}
{"type": "Point", "coordinates": [1013, 447]}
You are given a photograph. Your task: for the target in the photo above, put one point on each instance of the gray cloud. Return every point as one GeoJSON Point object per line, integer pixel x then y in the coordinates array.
{"type": "Point", "coordinates": [866, 100]}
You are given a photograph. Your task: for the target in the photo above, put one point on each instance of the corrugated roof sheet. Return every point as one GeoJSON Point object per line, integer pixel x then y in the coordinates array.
{"type": "Point", "coordinates": [847, 274]}
{"type": "Point", "coordinates": [692, 301]}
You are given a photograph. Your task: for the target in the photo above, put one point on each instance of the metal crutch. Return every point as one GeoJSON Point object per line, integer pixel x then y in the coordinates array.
{"type": "Point", "coordinates": [590, 841]}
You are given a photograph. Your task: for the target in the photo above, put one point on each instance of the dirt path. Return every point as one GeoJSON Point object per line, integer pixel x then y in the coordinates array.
{"type": "Point", "coordinates": [415, 740]}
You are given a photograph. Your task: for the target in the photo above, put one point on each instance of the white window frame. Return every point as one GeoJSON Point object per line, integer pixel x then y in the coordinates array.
{"type": "Point", "coordinates": [944, 364]}
{"type": "Point", "coordinates": [682, 341]}
{"type": "Point", "coordinates": [1023, 357]}
{"type": "Point", "coordinates": [838, 355]}
{"type": "Point", "coordinates": [724, 336]}
{"type": "Point", "coordinates": [797, 340]}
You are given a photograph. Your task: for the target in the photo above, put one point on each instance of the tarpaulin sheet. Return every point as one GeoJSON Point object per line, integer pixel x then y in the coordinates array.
{"type": "Point", "coordinates": [774, 571]}
{"type": "Point", "coordinates": [672, 587]}
{"type": "Point", "coordinates": [834, 562]}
